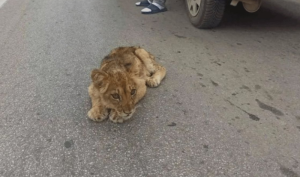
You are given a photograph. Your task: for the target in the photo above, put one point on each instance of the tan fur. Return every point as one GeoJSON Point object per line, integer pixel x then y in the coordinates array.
{"type": "Point", "coordinates": [123, 74]}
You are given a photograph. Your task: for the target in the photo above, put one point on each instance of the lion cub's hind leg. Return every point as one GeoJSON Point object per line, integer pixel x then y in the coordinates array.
{"type": "Point", "coordinates": [157, 71]}
{"type": "Point", "coordinates": [156, 77]}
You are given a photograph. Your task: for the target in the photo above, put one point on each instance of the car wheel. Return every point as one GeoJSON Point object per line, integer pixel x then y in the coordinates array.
{"type": "Point", "coordinates": [205, 13]}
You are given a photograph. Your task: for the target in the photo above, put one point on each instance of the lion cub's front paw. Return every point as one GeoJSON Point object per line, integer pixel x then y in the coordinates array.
{"type": "Point", "coordinates": [115, 118]}
{"type": "Point", "coordinates": [97, 114]}
{"type": "Point", "coordinates": [152, 82]}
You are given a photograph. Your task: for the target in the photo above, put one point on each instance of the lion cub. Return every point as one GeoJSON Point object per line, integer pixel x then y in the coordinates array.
{"type": "Point", "coordinates": [121, 81]}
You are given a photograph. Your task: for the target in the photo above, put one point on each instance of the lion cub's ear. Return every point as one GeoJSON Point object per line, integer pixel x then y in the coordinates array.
{"type": "Point", "coordinates": [99, 78]}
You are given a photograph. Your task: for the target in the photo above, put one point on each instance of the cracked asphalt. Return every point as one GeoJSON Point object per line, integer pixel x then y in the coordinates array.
{"type": "Point", "coordinates": [229, 105]}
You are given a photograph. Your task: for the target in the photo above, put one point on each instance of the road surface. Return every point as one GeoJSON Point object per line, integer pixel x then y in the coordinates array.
{"type": "Point", "coordinates": [229, 105]}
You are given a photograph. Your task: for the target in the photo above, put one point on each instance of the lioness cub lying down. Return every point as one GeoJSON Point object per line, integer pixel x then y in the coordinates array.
{"type": "Point", "coordinates": [120, 83]}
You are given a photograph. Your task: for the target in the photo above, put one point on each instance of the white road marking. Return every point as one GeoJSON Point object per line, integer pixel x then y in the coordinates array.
{"type": "Point", "coordinates": [2, 2]}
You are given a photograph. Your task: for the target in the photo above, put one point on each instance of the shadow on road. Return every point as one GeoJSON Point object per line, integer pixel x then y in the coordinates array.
{"type": "Point", "coordinates": [271, 16]}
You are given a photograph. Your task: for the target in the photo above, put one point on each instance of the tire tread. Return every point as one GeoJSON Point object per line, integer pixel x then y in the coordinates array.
{"type": "Point", "coordinates": [213, 13]}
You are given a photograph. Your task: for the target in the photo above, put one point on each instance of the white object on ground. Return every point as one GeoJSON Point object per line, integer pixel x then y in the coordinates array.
{"type": "Point", "coordinates": [2, 2]}
{"type": "Point", "coordinates": [149, 10]}
{"type": "Point", "coordinates": [146, 10]}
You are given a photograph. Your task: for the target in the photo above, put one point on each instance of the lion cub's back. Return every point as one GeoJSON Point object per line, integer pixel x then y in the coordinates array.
{"type": "Point", "coordinates": [124, 59]}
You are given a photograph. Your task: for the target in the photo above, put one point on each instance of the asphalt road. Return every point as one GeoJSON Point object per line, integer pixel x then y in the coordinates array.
{"type": "Point", "coordinates": [229, 105]}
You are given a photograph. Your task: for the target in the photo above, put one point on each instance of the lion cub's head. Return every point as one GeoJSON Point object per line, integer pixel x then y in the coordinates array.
{"type": "Point", "coordinates": [119, 91]}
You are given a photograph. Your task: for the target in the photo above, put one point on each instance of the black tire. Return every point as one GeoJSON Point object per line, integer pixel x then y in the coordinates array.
{"type": "Point", "coordinates": [209, 15]}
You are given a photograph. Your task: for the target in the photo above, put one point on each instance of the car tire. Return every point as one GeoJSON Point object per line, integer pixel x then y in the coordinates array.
{"type": "Point", "coordinates": [205, 13]}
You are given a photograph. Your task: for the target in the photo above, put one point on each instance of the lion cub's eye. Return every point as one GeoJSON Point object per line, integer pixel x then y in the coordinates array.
{"type": "Point", "coordinates": [116, 96]}
{"type": "Point", "coordinates": [133, 91]}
